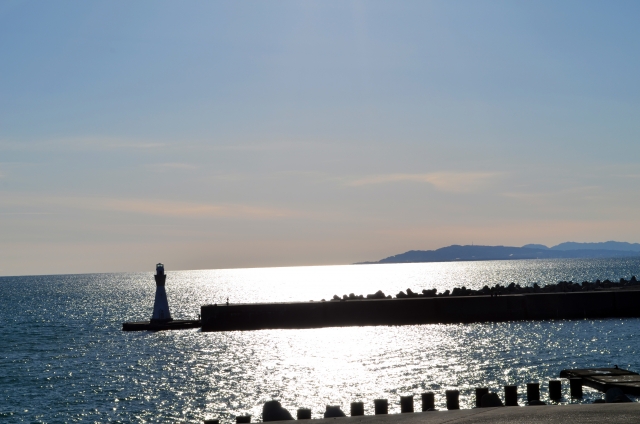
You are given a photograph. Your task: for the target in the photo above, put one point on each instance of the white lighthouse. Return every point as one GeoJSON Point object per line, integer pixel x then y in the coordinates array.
{"type": "Point", "coordinates": [161, 305]}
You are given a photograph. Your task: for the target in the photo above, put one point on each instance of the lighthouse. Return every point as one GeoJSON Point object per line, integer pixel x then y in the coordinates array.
{"type": "Point", "coordinates": [161, 305]}
{"type": "Point", "coordinates": [161, 318]}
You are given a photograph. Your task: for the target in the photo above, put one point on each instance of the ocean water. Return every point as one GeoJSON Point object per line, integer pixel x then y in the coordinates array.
{"type": "Point", "coordinates": [64, 358]}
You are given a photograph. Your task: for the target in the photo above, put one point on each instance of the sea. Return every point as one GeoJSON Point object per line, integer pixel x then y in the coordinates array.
{"type": "Point", "coordinates": [64, 358]}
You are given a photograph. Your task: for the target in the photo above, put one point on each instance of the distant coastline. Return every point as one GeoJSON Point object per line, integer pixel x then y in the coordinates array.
{"type": "Point", "coordinates": [567, 250]}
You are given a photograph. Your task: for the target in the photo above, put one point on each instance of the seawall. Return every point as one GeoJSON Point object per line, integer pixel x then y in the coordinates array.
{"type": "Point", "coordinates": [422, 310]}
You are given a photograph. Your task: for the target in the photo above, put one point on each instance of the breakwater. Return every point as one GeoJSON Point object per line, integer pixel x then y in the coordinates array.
{"type": "Point", "coordinates": [602, 303]}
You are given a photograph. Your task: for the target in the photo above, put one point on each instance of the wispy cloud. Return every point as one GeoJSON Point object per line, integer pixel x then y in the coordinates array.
{"type": "Point", "coordinates": [186, 209]}
{"type": "Point", "coordinates": [169, 166]}
{"type": "Point", "coordinates": [444, 181]}
{"type": "Point", "coordinates": [26, 213]}
{"type": "Point", "coordinates": [80, 143]}
{"type": "Point", "coordinates": [584, 192]}
{"type": "Point", "coordinates": [152, 207]}
{"type": "Point", "coordinates": [263, 146]}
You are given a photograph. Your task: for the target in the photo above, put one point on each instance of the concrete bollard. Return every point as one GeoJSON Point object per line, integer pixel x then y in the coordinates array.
{"type": "Point", "coordinates": [452, 399]}
{"type": "Point", "coordinates": [555, 389]}
{"type": "Point", "coordinates": [480, 391]}
{"type": "Point", "coordinates": [406, 404]}
{"type": "Point", "coordinates": [211, 421]}
{"type": "Point", "coordinates": [510, 395]}
{"type": "Point", "coordinates": [357, 409]}
{"type": "Point", "coordinates": [334, 411]}
{"type": "Point", "coordinates": [243, 419]}
{"type": "Point", "coordinates": [381, 406]}
{"type": "Point", "coordinates": [304, 414]}
{"type": "Point", "coordinates": [575, 384]}
{"type": "Point", "coordinates": [428, 401]}
{"type": "Point", "coordinates": [533, 391]}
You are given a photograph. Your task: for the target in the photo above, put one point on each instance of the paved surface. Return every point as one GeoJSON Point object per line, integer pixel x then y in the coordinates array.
{"type": "Point", "coordinates": [597, 413]}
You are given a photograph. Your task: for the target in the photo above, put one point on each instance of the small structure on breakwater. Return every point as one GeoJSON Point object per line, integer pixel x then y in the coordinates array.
{"type": "Point", "coordinates": [565, 300]}
{"type": "Point", "coordinates": [161, 317]}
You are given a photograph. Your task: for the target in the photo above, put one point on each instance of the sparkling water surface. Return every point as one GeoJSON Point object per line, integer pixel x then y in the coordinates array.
{"type": "Point", "coordinates": [64, 358]}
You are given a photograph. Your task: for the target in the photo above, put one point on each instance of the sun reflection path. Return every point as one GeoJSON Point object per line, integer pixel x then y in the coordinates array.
{"type": "Point", "coordinates": [337, 366]}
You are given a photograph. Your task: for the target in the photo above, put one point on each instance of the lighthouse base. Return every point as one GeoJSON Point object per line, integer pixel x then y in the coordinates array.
{"type": "Point", "coordinates": [176, 324]}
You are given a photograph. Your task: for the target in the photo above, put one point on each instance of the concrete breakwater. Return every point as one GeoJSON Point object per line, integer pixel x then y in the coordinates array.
{"type": "Point", "coordinates": [602, 303]}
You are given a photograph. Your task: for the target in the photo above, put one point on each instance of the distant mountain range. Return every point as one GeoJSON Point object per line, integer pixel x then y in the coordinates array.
{"type": "Point", "coordinates": [609, 249]}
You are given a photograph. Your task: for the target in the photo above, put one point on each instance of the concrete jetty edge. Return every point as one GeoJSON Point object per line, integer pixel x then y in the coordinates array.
{"type": "Point", "coordinates": [596, 413]}
{"type": "Point", "coordinates": [422, 310]}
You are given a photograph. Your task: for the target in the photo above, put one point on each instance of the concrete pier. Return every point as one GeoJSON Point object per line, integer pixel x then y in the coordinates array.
{"type": "Point", "coordinates": [422, 310]}
{"type": "Point", "coordinates": [406, 404]}
{"type": "Point", "coordinates": [533, 392]}
{"type": "Point", "coordinates": [555, 389]}
{"type": "Point", "coordinates": [510, 395]}
{"type": "Point", "coordinates": [480, 391]}
{"type": "Point", "coordinates": [453, 399]}
{"type": "Point", "coordinates": [357, 409]}
{"type": "Point", "coordinates": [381, 406]}
{"type": "Point", "coordinates": [616, 413]}
{"type": "Point", "coordinates": [602, 379]}
{"type": "Point", "coordinates": [428, 401]}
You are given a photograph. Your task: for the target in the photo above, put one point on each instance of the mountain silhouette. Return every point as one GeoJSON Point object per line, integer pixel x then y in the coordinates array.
{"type": "Point", "coordinates": [568, 250]}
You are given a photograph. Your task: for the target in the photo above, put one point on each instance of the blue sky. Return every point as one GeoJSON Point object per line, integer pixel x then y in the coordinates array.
{"type": "Point", "coordinates": [236, 134]}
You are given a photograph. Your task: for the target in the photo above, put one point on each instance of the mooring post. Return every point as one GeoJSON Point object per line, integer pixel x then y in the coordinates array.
{"type": "Point", "coordinates": [510, 395]}
{"type": "Point", "coordinates": [406, 404]}
{"type": "Point", "coordinates": [480, 391]}
{"type": "Point", "coordinates": [304, 414]}
{"type": "Point", "coordinates": [243, 419]}
{"type": "Point", "coordinates": [575, 385]}
{"type": "Point", "coordinates": [428, 401]}
{"type": "Point", "coordinates": [533, 391]}
{"type": "Point", "coordinates": [381, 406]}
{"type": "Point", "coordinates": [453, 399]}
{"type": "Point", "coordinates": [357, 409]}
{"type": "Point", "coordinates": [555, 389]}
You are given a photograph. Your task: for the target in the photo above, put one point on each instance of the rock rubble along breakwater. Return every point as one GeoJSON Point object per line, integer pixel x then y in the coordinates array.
{"type": "Point", "coordinates": [564, 300]}
{"type": "Point", "coordinates": [498, 289]}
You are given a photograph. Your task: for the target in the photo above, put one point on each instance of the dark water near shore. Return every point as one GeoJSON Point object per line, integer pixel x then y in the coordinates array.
{"type": "Point", "coordinates": [63, 357]}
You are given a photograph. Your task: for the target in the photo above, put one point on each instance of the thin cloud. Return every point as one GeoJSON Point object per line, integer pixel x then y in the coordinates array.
{"type": "Point", "coordinates": [583, 191]}
{"type": "Point", "coordinates": [169, 166]}
{"type": "Point", "coordinates": [444, 181]}
{"type": "Point", "coordinates": [151, 207]}
{"type": "Point", "coordinates": [27, 213]}
{"type": "Point", "coordinates": [80, 143]}
{"type": "Point", "coordinates": [108, 143]}
{"type": "Point", "coordinates": [185, 209]}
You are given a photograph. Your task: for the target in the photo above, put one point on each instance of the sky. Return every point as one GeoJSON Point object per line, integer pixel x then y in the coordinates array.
{"type": "Point", "coordinates": [248, 134]}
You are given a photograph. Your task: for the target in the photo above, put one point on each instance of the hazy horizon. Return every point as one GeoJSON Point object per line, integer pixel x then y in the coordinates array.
{"type": "Point", "coordinates": [213, 135]}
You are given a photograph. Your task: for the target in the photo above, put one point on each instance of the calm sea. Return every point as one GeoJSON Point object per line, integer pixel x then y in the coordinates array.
{"type": "Point", "coordinates": [64, 358]}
